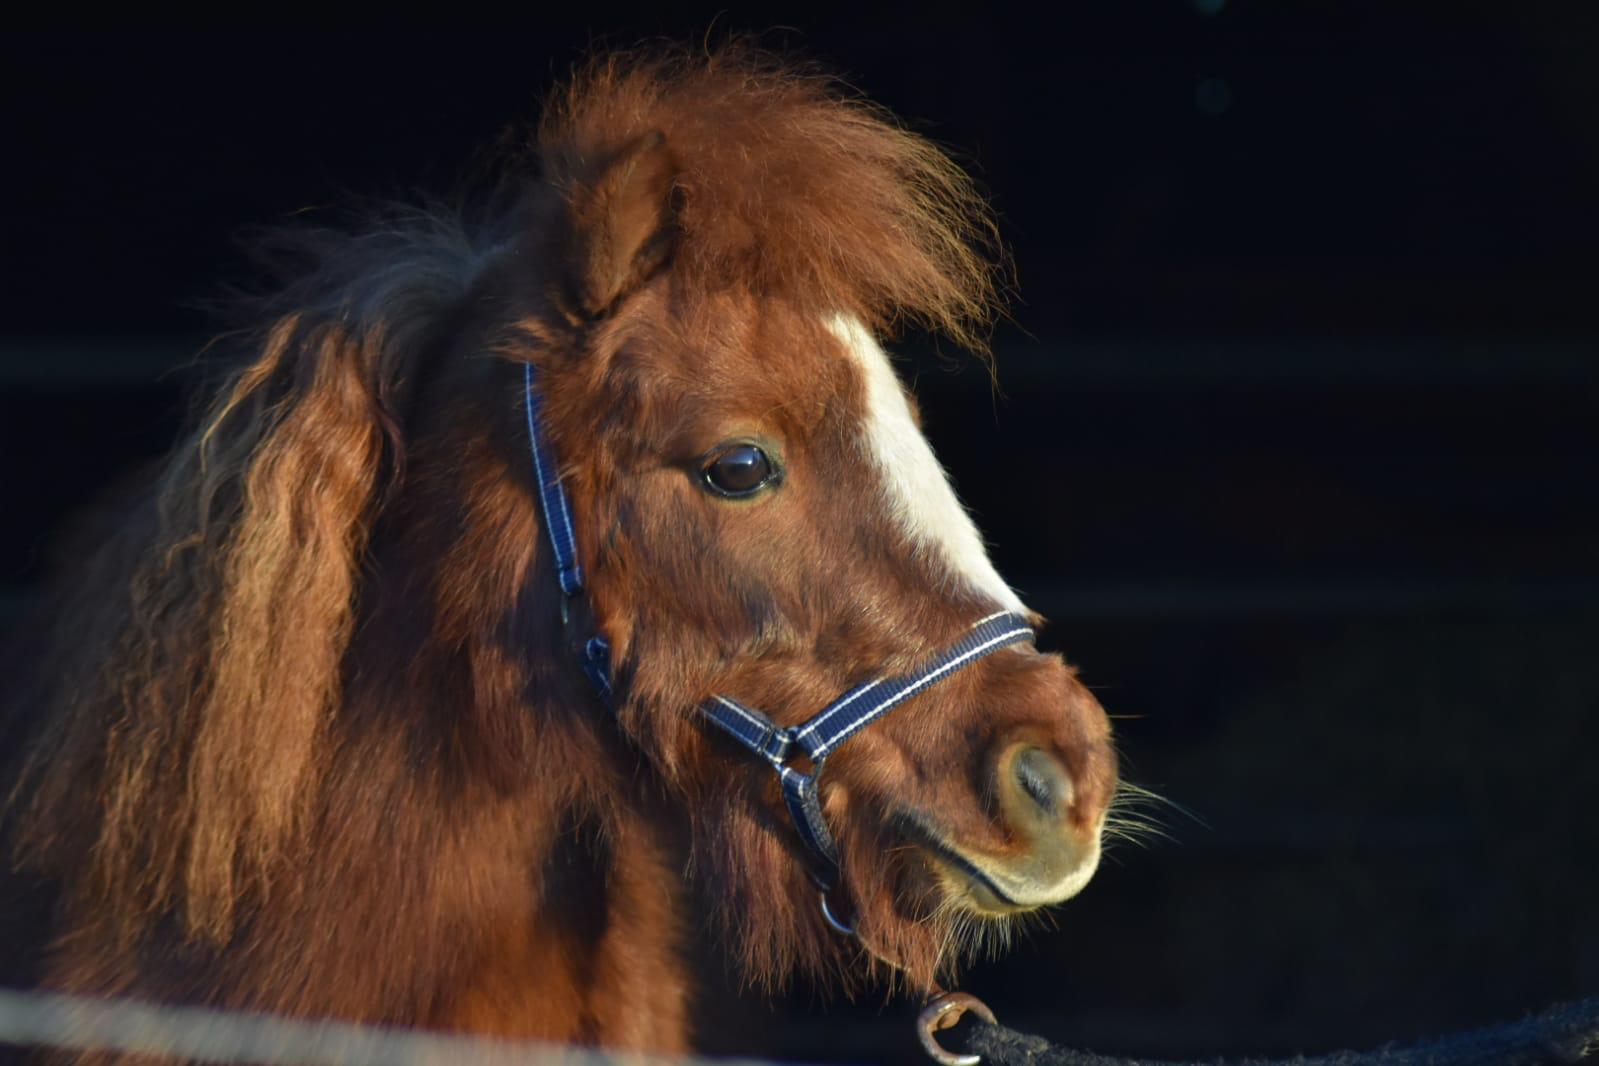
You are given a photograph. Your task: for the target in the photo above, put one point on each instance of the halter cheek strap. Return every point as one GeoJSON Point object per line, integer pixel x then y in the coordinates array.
{"type": "Point", "coordinates": [552, 496]}
{"type": "Point", "coordinates": [818, 736]}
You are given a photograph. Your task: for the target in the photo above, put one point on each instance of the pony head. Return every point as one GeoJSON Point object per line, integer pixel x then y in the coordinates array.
{"type": "Point", "coordinates": [761, 515]}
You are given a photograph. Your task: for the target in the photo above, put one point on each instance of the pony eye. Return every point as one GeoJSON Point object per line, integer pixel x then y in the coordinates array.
{"type": "Point", "coordinates": [741, 470]}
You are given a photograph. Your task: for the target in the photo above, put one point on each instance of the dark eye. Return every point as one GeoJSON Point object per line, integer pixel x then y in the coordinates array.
{"type": "Point", "coordinates": [740, 470]}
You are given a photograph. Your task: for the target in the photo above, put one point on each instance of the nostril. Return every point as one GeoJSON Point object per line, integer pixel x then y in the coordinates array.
{"type": "Point", "coordinates": [1044, 781]}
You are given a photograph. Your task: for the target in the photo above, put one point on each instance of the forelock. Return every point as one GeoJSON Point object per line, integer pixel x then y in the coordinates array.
{"type": "Point", "coordinates": [789, 185]}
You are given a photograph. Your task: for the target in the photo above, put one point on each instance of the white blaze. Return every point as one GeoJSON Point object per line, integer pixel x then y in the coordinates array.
{"type": "Point", "coordinates": [918, 490]}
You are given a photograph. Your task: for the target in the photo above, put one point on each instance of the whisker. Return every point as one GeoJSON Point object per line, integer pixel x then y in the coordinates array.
{"type": "Point", "coordinates": [1129, 794]}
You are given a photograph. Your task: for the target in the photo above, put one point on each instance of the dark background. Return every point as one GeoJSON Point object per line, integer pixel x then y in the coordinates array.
{"type": "Point", "coordinates": [1296, 446]}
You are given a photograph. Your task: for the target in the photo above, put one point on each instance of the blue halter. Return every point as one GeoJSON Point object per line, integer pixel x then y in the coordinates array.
{"type": "Point", "coordinates": [818, 736]}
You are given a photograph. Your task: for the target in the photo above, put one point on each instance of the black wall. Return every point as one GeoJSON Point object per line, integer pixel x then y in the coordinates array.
{"type": "Point", "coordinates": [1296, 445]}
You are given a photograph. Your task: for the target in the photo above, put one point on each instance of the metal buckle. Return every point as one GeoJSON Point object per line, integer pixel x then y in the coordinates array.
{"type": "Point", "coordinates": [942, 1012]}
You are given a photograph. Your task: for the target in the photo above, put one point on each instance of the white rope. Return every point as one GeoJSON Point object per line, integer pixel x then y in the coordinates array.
{"type": "Point", "coordinates": [80, 1023]}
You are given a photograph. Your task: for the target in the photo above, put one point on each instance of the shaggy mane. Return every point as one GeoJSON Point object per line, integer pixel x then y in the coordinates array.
{"type": "Point", "coordinates": [200, 652]}
{"type": "Point", "coordinates": [790, 185]}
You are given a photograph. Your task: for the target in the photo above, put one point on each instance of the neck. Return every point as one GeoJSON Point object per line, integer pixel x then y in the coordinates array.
{"type": "Point", "coordinates": [475, 855]}
{"type": "Point", "coordinates": [545, 874]}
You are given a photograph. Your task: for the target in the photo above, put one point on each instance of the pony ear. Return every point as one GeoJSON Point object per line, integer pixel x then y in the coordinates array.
{"type": "Point", "coordinates": [621, 224]}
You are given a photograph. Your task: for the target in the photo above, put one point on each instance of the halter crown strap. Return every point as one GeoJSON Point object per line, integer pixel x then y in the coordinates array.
{"type": "Point", "coordinates": [818, 736]}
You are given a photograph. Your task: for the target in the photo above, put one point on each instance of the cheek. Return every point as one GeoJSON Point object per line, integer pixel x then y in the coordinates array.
{"type": "Point", "coordinates": [733, 568]}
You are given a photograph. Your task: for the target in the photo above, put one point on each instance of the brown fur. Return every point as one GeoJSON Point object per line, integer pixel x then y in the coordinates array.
{"type": "Point", "coordinates": [313, 738]}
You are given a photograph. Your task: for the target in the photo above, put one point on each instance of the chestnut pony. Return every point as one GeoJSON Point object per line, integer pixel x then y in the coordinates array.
{"type": "Point", "coordinates": [315, 735]}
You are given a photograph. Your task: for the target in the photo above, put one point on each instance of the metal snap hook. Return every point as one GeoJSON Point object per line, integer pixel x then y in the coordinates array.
{"type": "Point", "coordinates": [942, 1012]}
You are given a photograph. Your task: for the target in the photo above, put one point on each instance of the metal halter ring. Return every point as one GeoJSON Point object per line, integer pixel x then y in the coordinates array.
{"type": "Point", "coordinates": [942, 1012]}
{"type": "Point", "coordinates": [837, 924]}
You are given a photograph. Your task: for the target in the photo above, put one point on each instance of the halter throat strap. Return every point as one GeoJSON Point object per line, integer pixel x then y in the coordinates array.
{"type": "Point", "coordinates": [818, 736]}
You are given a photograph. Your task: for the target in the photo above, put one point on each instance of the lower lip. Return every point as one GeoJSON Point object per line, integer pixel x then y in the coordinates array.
{"type": "Point", "coordinates": [962, 866]}
{"type": "Point", "coordinates": [984, 882]}
{"type": "Point", "coordinates": [979, 886]}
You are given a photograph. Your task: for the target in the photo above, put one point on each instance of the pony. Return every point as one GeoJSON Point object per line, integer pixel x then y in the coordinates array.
{"type": "Point", "coordinates": [314, 735]}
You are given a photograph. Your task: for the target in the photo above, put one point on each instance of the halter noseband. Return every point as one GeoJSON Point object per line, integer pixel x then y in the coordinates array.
{"type": "Point", "coordinates": [816, 737]}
